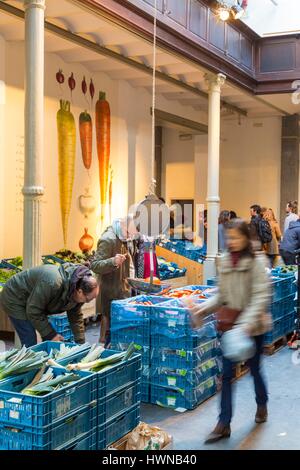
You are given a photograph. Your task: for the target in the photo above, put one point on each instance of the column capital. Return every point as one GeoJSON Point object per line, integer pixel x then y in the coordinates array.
{"type": "Point", "coordinates": [34, 4]}
{"type": "Point", "coordinates": [215, 81]}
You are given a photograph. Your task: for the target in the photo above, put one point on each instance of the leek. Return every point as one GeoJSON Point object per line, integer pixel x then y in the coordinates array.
{"type": "Point", "coordinates": [66, 351]}
{"type": "Point", "coordinates": [23, 361]}
{"type": "Point", "coordinates": [48, 383]}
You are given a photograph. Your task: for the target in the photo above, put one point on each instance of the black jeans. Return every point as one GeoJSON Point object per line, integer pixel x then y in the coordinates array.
{"type": "Point", "coordinates": [259, 385]}
{"type": "Point", "coordinates": [288, 257]}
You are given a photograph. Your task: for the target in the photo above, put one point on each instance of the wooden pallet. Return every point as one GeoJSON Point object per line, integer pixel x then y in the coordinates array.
{"type": "Point", "coordinates": [239, 370]}
{"type": "Point", "coordinates": [270, 349]}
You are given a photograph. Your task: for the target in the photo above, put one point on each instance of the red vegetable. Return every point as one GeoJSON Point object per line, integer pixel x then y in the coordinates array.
{"type": "Point", "coordinates": [92, 89]}
{"type": "Point", "coordinates": [72, 82]}
{"type": "Point", "coordinates": [84, 86]}
{"type": "Point", "coordinates": [60, 77]}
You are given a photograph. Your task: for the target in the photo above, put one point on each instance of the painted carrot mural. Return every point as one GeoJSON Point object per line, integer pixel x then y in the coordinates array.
{"type": "Point", "coordinates": [103, 118]}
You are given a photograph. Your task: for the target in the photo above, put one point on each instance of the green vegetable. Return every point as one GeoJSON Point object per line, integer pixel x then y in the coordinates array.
{"type": "Point", "coordinates": [22, 361]}
{"type": "Point", "coordinates": [6, 274]}
{"type": "Point", "coordinates": [70, 257]}
{"type": "Point", "coordinates": [18, 261]}
{"type": "Point", "coordinates": [66, 351]}
{"type": "Point", "coordinates": [101, 364]}
{"type": "Point", "coordinates": [49, 383]}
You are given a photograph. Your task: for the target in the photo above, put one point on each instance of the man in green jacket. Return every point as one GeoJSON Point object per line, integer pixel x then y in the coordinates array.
{"type": "Point", "coordinates": [29, 297]}
{"type": "Point", "coordinates": [112, 262]}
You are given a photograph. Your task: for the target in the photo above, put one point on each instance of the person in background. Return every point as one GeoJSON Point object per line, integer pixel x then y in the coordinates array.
{"type": "Point", "coordinates": [290, 243]}
{"type": "Point", "coordinates": [113, 262]}
{"type": "Point", "coordinates": [292, 214]}
{"type": "Point", "coordinates": [244, 287]}
{"type": "Point", "coordinates": [233, 215]}
{"type": "Point", "coordinates": [260, 229]}
{"type": "Point", "coordinates": [272, 248]}
{"type": "Point", "coordinates": [30, 297]}
{"type": "Point", "coordinates": [224, 218]}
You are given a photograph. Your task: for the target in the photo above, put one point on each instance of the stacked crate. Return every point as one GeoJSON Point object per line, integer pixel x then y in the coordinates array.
{"type": "Point", "coordinates": [88, 414]}
{"type": "Point", "coordinates": [118, 397]}
{"type": "Point", "coordinates": [282, 307]}
{"type": "Point", "coordinates": [185, 364]}
{"type": "Point", "coordinates": [130, 322]}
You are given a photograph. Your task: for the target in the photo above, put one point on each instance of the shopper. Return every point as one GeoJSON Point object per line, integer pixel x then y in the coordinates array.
{"type": "Point", "coordinates": [290, 243]}
{"type": "Point", "coordinates": [272, 248]}
{"type": "Point", "coordinates": [31, 296]}
{"type": "Point", "coordinates": [113, 262]}
{"type": "Point", "coordinates": [292, 214]}
{"type": "Point", "coordinates": [245, 291]}
{"type": "Point", "coordinates": [260, 230]}
{"type": "Point", "coordinates": [224, 218]}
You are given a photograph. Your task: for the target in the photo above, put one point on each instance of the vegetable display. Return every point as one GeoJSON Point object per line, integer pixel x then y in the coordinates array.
{"type": "Point", "coordinates": [17, 261]}
{"type": "Point", "coordinates": [47, 383]}
{"type": "Point", "coordinates": [70, 257]}
{"type": "Point", "coordinates": [86, 138]}
{"type": "Point", "coordinates": [66, 161]}
{"type": "Point", "coordinates": [6, 274]}
{"type": "Point", "coordinates": [86, 242]}
{"type": "Point", "coordinates": [17, 362]}
{"type": "Point", "coordinates": [178, 294]}
{"type": "Point", "coordinates": [102, 118]}
{"type": "Point", "coordinates": [95, 363]}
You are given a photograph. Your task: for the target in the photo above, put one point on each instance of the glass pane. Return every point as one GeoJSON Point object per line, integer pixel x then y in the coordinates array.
{"type": "Point", "coordinates": [177, 10]}
{"type": "Point", "coordinates": [158, 3]}
{"type": "Point", "coordinates": [198, 15]}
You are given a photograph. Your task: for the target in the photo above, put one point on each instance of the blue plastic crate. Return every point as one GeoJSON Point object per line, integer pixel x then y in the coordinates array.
{"type": "Point", "coordinates": [213, 281]}
{"type": "Point", "coordinates": [172, 398]}
{"type": "Point", "coordinates": [281, 327]}
{"type": "Point", "coordinates": [69, 337]}
{"type": "Point", "coordinates": [282, 287]}
{"type": "Point", "coordinates": [205, 333]}
{"type": "Point", "coordinates": [117, 376]}
{"type": "Point", "coordinates": [73, 426]}
{"type": "Point", "coordinates": [117, 427]}
{"type": "Point", "coordinates": [138, 333]}
{"type": "Point", "coordinates": [184, 359]}
{"type": "Point", "coordinates": [288, 304]}
{"type": "Point", "coordinates": [145, 392]}
{"type": "Point", "coordinates": [172, 319]}
{"type": "Point", "coordinates": [38, 411]}
{"type": "Point", "coordinates": [186, 379]}
{"type": "Point", "coordinates": [119, 402]}
{"type": "Point", "coordinates": [60, 323]}
{"type": "Point", "coordinates": [127, 310]}
{"type": "Point", "coordinates": [48, 346]}
{"type": "Point", "coordinates": [85, 442]}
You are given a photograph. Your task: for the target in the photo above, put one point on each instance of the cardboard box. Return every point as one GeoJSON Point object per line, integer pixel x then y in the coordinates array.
{"type": "Point", "coordinates": [121, 444]}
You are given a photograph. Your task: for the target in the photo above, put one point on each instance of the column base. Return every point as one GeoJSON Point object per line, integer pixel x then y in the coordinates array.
{"type": "Point", "coordinates": [209, 269]}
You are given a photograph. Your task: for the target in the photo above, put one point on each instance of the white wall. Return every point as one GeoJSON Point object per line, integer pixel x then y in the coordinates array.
{"type": "Point", "coordinates": [250, 164]}
{"type": "Point", "coordinates": [130, 149]}
{"type": "Point", "coordinates": [2, 143]}
{"type": "Point", "coordinates": [178, 166]}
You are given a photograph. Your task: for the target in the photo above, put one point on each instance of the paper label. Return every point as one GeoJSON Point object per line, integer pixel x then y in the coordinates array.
{"type": "Point", "coordinates": [171, 401]}
{"type": "Point", "coordinates": [171, 323]}
{"type": "Point", "coordinates": [14, 414]}
{"type": "Point", "coordinates": [15, 400]}
{"type": "Point", "coordinates": [171, 381]}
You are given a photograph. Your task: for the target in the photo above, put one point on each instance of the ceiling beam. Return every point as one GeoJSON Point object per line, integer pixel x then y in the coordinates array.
{"type": "Point", "coordinates": [180, 121]}
{"type": "Point", "coordinates": [83, 42]}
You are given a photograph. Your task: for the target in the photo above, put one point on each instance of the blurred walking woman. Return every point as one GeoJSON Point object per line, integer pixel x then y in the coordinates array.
{"type": "Point", "coordinates": [242, 301]}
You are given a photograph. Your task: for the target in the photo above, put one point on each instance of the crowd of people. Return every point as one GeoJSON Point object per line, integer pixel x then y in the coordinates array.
{"type": "Point", "coordinates": [266, 234]}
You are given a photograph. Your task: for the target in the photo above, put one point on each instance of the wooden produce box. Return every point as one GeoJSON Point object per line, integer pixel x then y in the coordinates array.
{"type": "Point", "coordinates": [121, 444]}
{"type": "Point", "coordinates": [194, 270]}
{"type": "Point", "coordinates": [177, 282]}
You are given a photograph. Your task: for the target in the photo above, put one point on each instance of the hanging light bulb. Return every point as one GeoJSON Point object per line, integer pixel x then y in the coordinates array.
{"type": "Point", "coordinates": [223, 13]}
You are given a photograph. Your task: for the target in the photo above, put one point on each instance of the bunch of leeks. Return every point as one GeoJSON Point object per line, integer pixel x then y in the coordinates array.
{"type": "Point", "coordinates": [66, 351]}
{"type": "Point", "coordinates": [91, 363]}
{"type": "Point", "coordinates": [21, 361]}
{"type": "Point", "coordinates": [46, 382]}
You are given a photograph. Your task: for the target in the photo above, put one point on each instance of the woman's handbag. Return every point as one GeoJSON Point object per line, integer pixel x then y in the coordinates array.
{"type": "Point", "coordinates": [226, 318]}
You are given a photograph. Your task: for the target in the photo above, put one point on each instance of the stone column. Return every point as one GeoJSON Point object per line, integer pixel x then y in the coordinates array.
{"type": "Point", "coordinates": [34, 130]}
{"type": "Point", "coordinates": [215, 83]}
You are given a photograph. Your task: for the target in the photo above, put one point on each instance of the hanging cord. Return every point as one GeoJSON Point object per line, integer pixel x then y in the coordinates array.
{"type": "Point", "coordinates": [153, 182]}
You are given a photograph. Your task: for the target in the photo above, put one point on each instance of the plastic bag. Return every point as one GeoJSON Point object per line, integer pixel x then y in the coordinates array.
{"type": "Point", "coordinates": [146, 437]}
